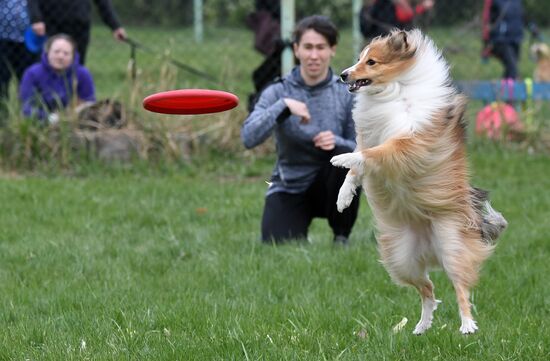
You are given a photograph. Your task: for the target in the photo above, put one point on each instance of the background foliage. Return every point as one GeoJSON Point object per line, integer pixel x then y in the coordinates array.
{"type": "Point", "coordinates": [233, 12]}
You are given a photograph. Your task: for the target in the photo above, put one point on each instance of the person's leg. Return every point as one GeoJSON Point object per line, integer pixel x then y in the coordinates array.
{"type": "Point", "coordinates": [81, 35]}
{"type": "Point", "coordinates": [54, 27]}
{"type": "Point", "coordinates": [507, 55]}
{"type": "Point", "coordinates": [286, 216]}
{"type": "Point", "coordinates": [266, 72]}
{"type": "Point", "coordinates": [264, 75]}
{"type": "Point", "coordinates": [324, 193]}
{"type": "Point", "coordinates": [14, 59]}
{"type": "Point", "coordinates": [24, 59]}
{"type": "Point", "coordinates": [5, 68]}
{"type": "Point", "coordinates": [516, 52]}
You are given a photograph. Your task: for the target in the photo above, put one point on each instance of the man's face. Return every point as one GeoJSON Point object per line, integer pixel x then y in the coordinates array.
{"type": "Point", "coordinates": [314, 53]}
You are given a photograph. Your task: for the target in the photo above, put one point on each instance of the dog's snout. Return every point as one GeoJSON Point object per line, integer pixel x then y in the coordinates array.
{"type": "Point", "coordinates": [344, 76]}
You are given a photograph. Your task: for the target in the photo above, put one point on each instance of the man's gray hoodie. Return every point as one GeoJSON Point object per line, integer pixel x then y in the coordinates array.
{"type": "Point", "coordinates": [298, 160]}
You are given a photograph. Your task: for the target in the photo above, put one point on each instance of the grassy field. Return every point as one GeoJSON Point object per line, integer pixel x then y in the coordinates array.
{"type": "Point", "coordinates": [163, 262]}
{"type": "Point", "coordinates": [166, 265]}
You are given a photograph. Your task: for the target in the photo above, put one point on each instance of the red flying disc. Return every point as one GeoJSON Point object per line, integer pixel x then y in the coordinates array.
{"type": "Point", "coordinates": [190, 101]}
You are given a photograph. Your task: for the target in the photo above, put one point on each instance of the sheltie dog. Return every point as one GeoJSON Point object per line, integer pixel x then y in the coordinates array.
{"type": "Point", "coordinates": [541, 54]}
{"type": "Point", "coordinates": [411, 161]}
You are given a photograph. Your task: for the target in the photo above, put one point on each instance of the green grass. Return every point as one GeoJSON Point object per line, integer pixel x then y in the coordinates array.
{"type": "Point", "coordinates": [162, 261]}
{"type": "Point", "coordinates": [166, 265]}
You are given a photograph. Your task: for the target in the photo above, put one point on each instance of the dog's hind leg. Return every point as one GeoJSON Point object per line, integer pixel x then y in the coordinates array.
{"type": "Point", "coordinates": [468, 325]}
{"type": "Point", "coordinates": [404, 253]}
{"type": "Point", "coordinates": [429, 305]}
{"type": "Point", "coordinates": [461, 254]}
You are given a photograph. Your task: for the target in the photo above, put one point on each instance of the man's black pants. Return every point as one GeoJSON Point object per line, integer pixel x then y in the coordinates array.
{"type": "Point", "coordinates": [508, 54]}
{"type": "Point", "coordinates": [14, 58]}
{"type": "Point", "coordinates": [288, 216]}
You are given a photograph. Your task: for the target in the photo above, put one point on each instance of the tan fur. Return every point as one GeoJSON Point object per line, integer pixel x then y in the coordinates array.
{"type": "Point", "coordinates": [390, 61]}
{"type": "Point", "coordinates": [541, 52]}
{"type": "Point", "coordinates": [417, 185]}
{"type": "Point", "coordinates": [436, 181]}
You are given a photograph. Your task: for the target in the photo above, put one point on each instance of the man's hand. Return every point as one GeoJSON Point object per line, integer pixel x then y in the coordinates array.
{"type": "Point", "coordinates": [325, 140]}
{"type": "Point", "coordinates": [298, 108]}
{"type": "Point", "coordinates": [39, 28]}
{"type": "Point", "coordinates": [120, 34]}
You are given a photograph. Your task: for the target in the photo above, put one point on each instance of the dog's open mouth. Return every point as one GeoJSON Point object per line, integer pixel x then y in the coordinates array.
{"type": "Point", "coordinates": [356, 85]}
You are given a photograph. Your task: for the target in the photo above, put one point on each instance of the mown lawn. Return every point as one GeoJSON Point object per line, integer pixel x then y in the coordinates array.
{"type": "Point", "coordinates": [166, 265]}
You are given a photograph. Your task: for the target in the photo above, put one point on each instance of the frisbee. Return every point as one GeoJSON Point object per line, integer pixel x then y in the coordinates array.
{"type": "Point", "coordinates": [190, 101]}
{"type": "Point", "coordinates": [33, 42]}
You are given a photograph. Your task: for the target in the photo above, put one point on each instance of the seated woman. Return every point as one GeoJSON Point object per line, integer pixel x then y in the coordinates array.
{"type": "Point", "coordinates": [53, 83]}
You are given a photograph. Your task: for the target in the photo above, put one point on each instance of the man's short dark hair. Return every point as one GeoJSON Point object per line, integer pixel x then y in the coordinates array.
{"type": "Point", "coordinates": [318, 23]}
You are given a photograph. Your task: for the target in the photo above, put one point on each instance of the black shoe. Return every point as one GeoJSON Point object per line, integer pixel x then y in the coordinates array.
{"type": "Point", "coordinates": [339, 239]}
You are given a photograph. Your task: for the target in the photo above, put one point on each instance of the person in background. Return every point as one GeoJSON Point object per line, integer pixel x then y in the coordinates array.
{"type": "Point", "coordinates": [378, 17]}
{"type": "Point", "coordinates": [505, 33]}
{"type": "Point", "coordinates": [502, 25]}
{"type": "Point", "coordinates": [309, 113]}
{"type": "Point", "coordinates": [265, 22]}
{"type": "Point", "coordinates": [73, 17]}
{"type": "Point", "coordinates": [14, 56]}
{"type": "Point", "coordinates": [49, 86]}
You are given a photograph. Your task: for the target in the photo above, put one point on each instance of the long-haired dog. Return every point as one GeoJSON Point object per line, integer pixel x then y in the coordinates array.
{"type": "Point", "coordinates": [411, 161]}
{"type": "Point", "coordinates": [541, 54]}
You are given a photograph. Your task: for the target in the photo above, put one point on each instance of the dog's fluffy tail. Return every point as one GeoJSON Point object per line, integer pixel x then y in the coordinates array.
{"type": "Point", "coordinates": [493, 222]}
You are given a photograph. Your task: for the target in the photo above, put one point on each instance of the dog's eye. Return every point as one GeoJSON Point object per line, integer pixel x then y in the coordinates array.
{"type": "Point", "coordinates": [371, 62]}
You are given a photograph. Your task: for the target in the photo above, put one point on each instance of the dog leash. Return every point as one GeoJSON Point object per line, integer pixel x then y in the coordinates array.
{"type": "Point", "coordinates": [137, 45]}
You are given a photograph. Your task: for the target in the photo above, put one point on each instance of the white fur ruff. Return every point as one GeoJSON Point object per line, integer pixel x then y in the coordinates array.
{"type": "Point", "coordinates": [405, 105]}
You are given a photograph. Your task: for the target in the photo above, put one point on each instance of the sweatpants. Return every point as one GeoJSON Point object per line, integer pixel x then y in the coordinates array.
{"type": "Point", "coordinates": [508, 54]}
{"type": "Point", "coordinates": [288, 216]}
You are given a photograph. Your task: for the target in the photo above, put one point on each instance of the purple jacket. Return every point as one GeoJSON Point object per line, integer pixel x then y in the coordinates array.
{"type": "Point", "coordinates": [42, 90]}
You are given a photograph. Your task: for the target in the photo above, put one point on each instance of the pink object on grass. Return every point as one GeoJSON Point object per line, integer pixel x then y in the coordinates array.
{"type": "Point", "coordinates": [498, 119]}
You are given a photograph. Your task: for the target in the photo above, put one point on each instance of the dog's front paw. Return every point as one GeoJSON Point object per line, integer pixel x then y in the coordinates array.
{"type": "Point", "coordinates": [425, 323]}
{"type": "Point", "coordinates": [422, 327]}
{"type": "Point", "coordinates": [348, 160]}
{"type": "Point", "coordinates": [345, 196]}
{"type": "Point", "coordinates": [468, 326]}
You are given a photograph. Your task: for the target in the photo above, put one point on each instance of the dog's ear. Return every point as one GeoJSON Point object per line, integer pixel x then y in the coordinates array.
{"type": "Point", "coordinates": [399, 43]}
{"type": "Point", "coordinates": [540, 50]}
